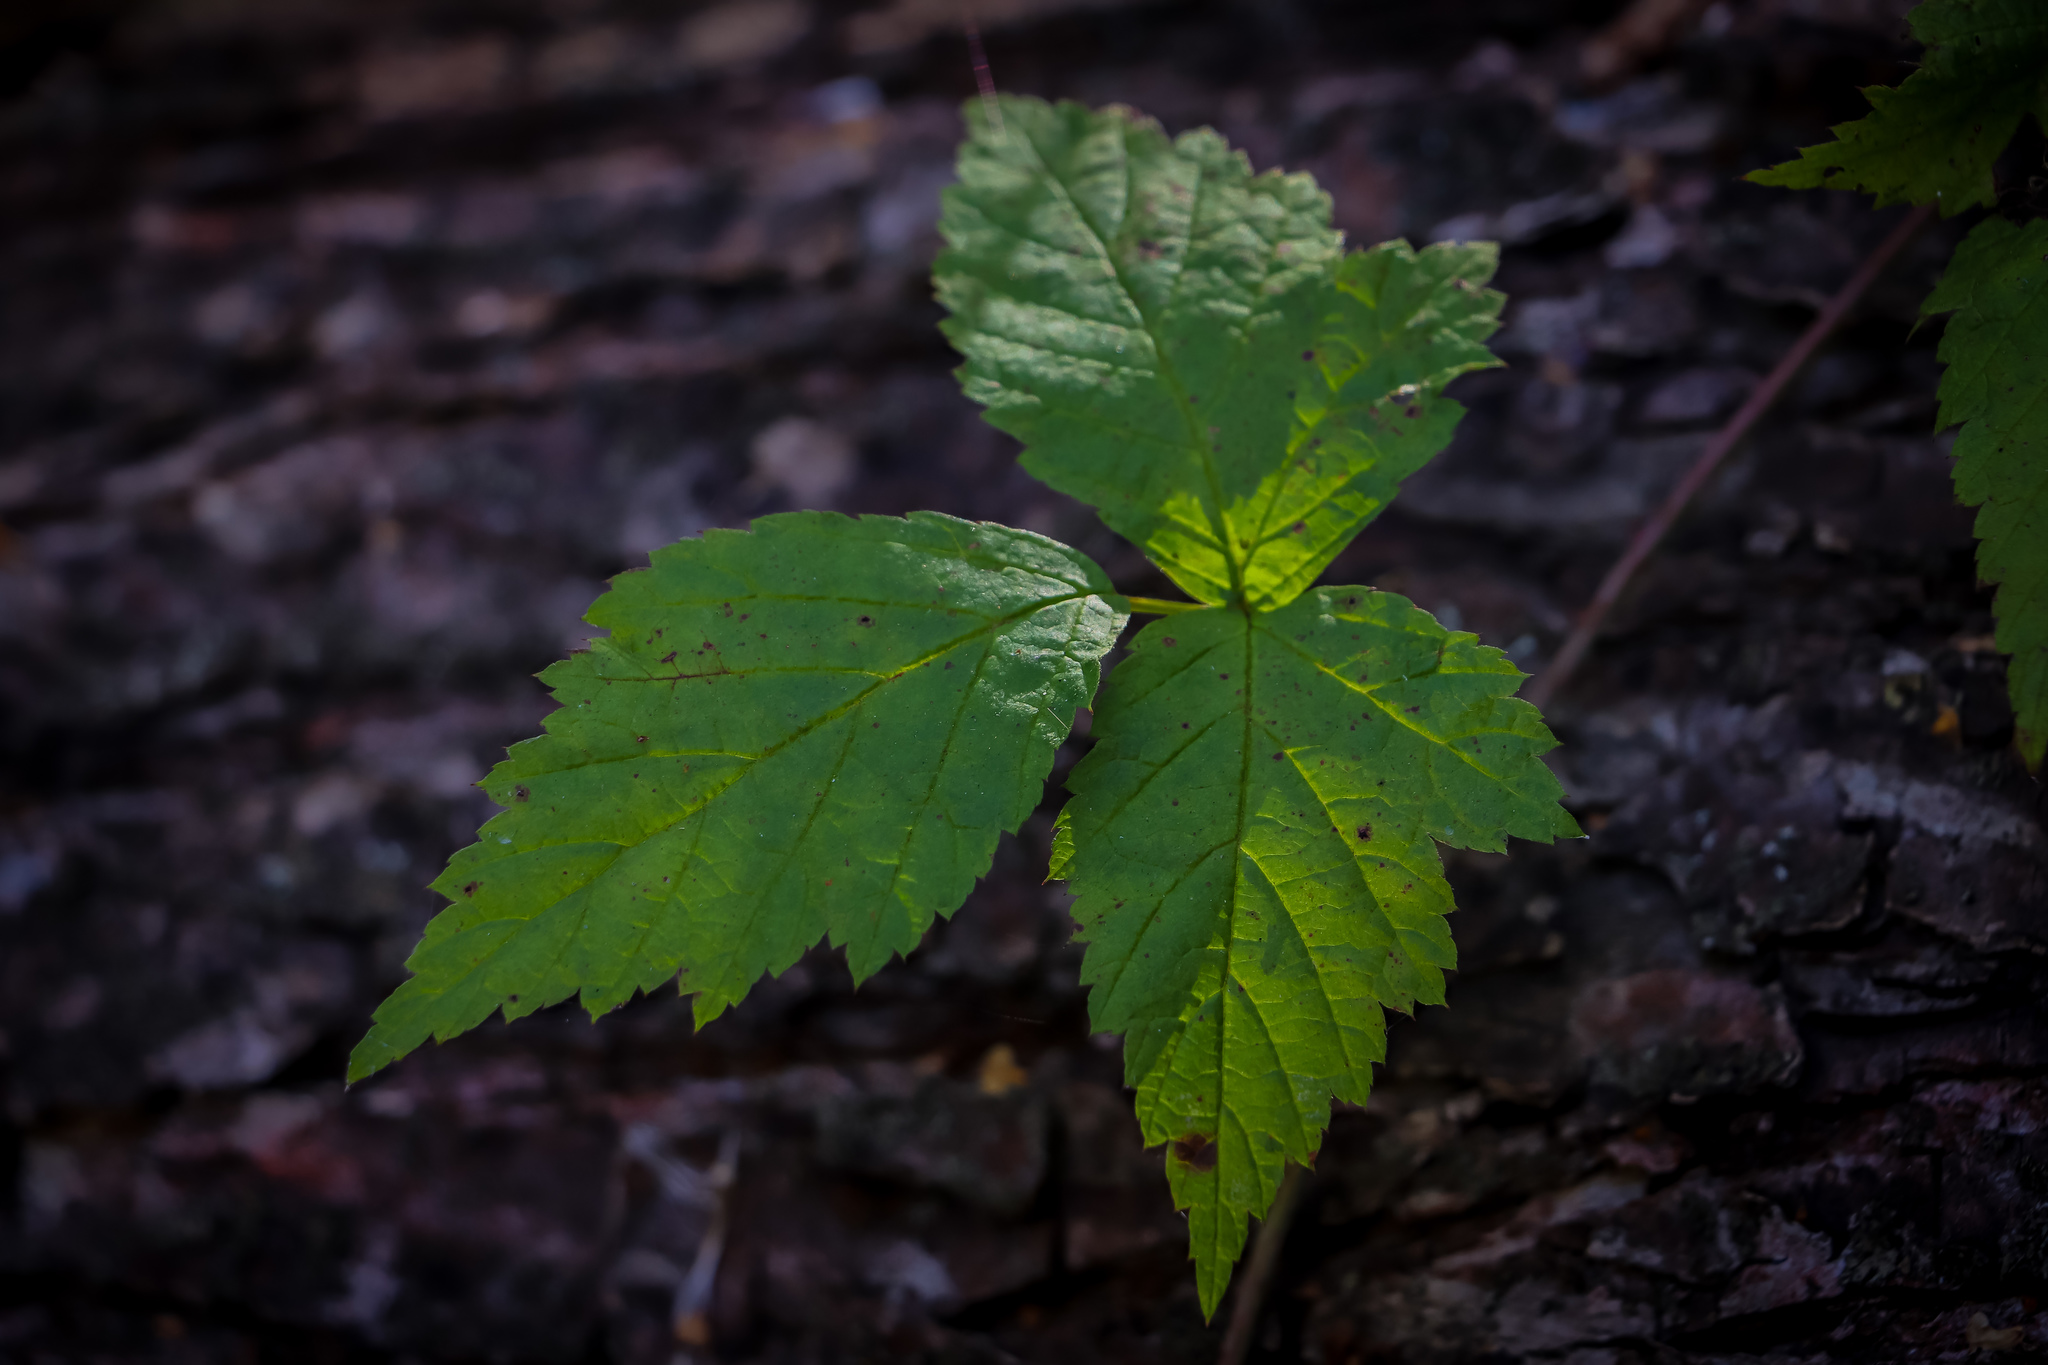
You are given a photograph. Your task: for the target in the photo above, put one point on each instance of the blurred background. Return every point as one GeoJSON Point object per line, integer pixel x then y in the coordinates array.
{"type": "Point", "coordinates": [347, 347]}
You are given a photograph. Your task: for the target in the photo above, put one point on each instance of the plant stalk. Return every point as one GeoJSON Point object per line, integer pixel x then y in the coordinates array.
{"type": "Point", "coordinates": [1160, 606]}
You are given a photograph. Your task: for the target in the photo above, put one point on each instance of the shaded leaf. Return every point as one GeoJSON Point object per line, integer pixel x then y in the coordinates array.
{"type": "Point", "coordinates": [1933, 138]}
{"type": "Point", "coordinates": [1996, 387]}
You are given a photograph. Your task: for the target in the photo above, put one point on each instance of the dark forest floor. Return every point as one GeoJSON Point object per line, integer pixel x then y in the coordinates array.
{"type": "Point", "coordinates": [347, 348]}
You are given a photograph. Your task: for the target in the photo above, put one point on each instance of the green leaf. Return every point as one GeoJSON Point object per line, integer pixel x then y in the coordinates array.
{"type": "Point", "coordinates": [1934, 138]}
{"type": "Point", "coordinates": [1253, 856]}
{"type": "Point", "coordinates": [1396, 327]}
{"type": "Point", "coordinates": [816, 729]}
{"type": "Point", "coordinates": [1996, 388]}
{"type": "Point", "coordinates": [1135, 309]}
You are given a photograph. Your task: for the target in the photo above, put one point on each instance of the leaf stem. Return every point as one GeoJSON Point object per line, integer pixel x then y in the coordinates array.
{"type": "Point", "coordinates": [1160, 606]}
{"type": "Point", "coordinates": [1653, 530]}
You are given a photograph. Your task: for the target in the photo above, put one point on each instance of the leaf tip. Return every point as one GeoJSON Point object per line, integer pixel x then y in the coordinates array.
{"type": "Point", "coordinates": [369, 1056]}
{"type": "Point", "coordinates": [1211, 1282]}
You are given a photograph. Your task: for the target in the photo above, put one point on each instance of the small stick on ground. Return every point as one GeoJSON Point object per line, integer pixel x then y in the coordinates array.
{"type": "Point", "coordinates": [1258, 1272]}
{"type": "Point", "coordinates": [690, 1313]}
{"type": "Point", "coordinates": [1653, 530]}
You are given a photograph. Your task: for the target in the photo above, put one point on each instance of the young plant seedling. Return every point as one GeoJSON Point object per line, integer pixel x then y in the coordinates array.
{"type": "Point", "coordinates": [818, 729]}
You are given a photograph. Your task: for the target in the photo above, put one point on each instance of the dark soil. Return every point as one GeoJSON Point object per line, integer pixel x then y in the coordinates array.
{"type": "Point", "coordinates": [346, 348]}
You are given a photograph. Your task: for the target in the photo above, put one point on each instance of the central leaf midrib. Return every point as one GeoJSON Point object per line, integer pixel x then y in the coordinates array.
{"type": "Point", "coordinates": [1167, 373]}
{"type": "Point", "coordinates": [1244, 784]}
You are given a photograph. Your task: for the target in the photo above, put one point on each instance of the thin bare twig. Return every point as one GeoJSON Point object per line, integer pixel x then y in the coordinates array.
{"type": "Point", "coordinates": [1660, 522]}
{"type": "Point", "coordinates": [690, 1313]}
{"type": "Point", "coordinates": [1258, 1272]}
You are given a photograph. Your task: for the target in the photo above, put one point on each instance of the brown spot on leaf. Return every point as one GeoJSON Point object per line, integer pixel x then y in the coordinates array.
{"type": "Point", "coordinates": [1196, 1152]}
{"type": "Point", "coordinates": [470, 890]}
{"type": "Point", "coordinates": [1365, 832]}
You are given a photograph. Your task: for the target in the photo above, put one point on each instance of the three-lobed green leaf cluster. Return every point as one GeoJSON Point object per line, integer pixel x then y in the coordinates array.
{"type": "Point", "coordinates": [1934, 140]}
{"type": "Point", "coordinates": [818, 729]}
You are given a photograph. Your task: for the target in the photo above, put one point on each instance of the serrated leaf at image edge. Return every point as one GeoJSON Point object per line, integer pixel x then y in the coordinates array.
{"type": "Point", "coordinates": [1995, 386]}
{"type": "Point", "coordinates": [1934, 138]}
